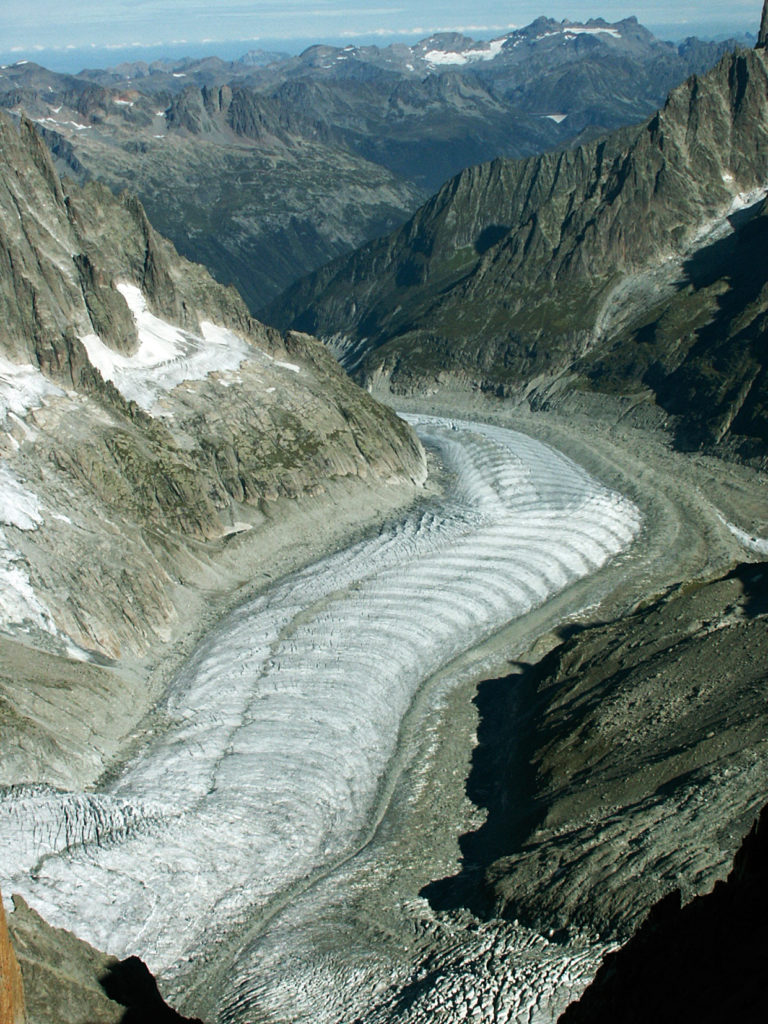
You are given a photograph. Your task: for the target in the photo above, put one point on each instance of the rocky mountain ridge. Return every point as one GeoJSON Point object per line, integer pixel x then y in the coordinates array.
{"type": "Point", "coordinates": [65, 979]}
{"type": "Point", "coordinates": [266, 173]}
{"type": "Point", "coordinates": [527, 276]}
{"type": "Point", "coordinates": [151, 429]}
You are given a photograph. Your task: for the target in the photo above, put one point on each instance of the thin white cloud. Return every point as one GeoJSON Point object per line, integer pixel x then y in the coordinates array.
{"type": "Point", "coordinates": [422, 31]}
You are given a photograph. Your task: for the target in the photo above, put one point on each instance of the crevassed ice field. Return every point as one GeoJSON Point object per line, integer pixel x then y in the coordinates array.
{"type": "Point", "coordinates": [264, 762]}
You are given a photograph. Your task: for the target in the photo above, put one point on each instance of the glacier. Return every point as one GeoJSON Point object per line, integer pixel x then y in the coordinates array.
{"type": "Point", "coordinates": [264, 765]}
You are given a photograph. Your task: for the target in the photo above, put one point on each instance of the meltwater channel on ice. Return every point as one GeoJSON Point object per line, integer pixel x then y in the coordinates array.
{"type": "Point", "coordinates": [263, 762]}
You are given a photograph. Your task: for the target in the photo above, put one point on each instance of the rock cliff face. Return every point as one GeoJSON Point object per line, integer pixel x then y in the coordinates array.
{"type": "Point", "coordinates": [12, 1006]}
{"type": "Point", "coordinates": [69, 982]}
{"type": "Point", "coordinates": [704, 962]}
{"type": "Point", "coordinates": [148, 426]}
{"type": "Point", "coordinates": [630, 760]}
{"type": "Point", "coordinates": [520, 276]}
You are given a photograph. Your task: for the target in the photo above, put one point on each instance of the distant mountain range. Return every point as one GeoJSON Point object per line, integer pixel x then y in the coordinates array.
{"type": "Point", "coordinates": [268, 167]}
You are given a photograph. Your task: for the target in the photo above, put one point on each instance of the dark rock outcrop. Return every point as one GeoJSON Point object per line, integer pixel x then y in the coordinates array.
{"type": "Point", "coordinates": [130, 983]}
{"type": "Point", "coordinates": [12, 1005]}
{"type": "Point", "coordinates": [702, 962]}
{"type": "Point", "coordinates": [628, 762]}
{"type": "Point", "coordinates": [69, 982]}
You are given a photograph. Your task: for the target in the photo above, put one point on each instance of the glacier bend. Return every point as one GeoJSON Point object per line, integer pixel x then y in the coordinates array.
{"type": "Point", "coordinates": [264, 761]}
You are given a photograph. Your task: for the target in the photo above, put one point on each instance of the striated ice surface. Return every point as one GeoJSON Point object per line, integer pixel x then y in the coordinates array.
{"type": "Point", "coordinates": [263, 764]}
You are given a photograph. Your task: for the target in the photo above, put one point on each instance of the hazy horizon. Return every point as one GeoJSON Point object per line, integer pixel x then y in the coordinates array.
{"type": "Point", "coordinates": [66, 37]}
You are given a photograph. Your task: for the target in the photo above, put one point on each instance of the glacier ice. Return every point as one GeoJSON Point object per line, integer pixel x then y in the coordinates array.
{"type": "Point", "coordinates": [264, 761]}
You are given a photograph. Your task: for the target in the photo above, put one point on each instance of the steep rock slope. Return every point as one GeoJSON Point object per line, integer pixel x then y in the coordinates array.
{"type": "Point", "coordinates": [149, 425]}
{"type": "Point", "coordinates": [628, 762]}
{"type": "Point", "coordinates": [703, 962]}
{"type": "Point", "coordinates": [69, 982]}
{"type": "Point", "coordinates": [518, 274]}
{"type": "Point", "coordinates": [12, 1004]}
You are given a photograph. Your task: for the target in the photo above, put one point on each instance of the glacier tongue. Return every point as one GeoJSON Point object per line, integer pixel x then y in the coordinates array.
{"type": "Point", "coordinates": [264, 761]}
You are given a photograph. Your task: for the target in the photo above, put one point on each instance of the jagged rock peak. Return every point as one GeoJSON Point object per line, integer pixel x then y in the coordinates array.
{"type": "Point", "coordinates": [762, 36]}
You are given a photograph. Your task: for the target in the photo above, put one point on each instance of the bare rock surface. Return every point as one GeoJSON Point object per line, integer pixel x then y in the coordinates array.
{"type": "Point", "coordinates": [648, 758]}
{"type": "Point", "coordinates": [12, 1003]}
{"type": "Point", "coordinates": [69, 982]}
{"type": "Point", "coordinates": [704, 961]}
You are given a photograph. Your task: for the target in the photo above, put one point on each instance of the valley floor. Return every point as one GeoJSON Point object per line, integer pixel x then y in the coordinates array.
{"type": "Point", "coordinates": [363, 942]}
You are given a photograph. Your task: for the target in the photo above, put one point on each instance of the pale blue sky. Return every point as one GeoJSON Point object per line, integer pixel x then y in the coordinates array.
{"type": "Point", "coordinates": [39, 28]}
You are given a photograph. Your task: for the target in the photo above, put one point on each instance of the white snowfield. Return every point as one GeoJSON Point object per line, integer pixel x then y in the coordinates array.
{"type": "Point", "coordinates": [448, 57]}
{"type": "Point", "coordinates": [19, 508]}
{"type": "Point", "coordinates": [166, 355]}
{"type": "Point", "coordinates": [569, 31]}
{"type": "Point", "coordinates": [23, 388]}
{"type": "Point", "coordinates": [263, 764]}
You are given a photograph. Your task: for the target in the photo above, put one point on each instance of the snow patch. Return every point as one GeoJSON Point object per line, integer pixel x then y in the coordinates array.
{"type": "Point", "coordinates": [22, 388]}
{"type": "Point", "coordinates": [288, 366]}
{"type": "Point", "coordinates": [757, 544]}
{"type": "Point", "coordinates": [557, 118]}
{"type": "Point", "coordinates": [571, 31]}
{"type": "Point", "coordinates": [19, 605]}
{"type": "Point", "coordinates": [584, 30]}
{"type": "Point", "coordinates": [445, 57]}
{"type": "Point", "coordinates": [18, 506]}
{"type": "Point", "coordinates": [64, 124]}
{"type": "Point", "coordinates": [720, 226]}
{"type": "Point", "coordinates": [166, 355]}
